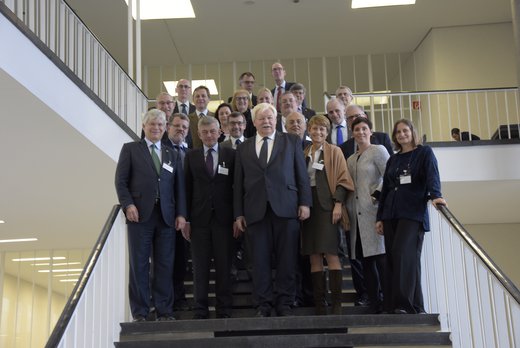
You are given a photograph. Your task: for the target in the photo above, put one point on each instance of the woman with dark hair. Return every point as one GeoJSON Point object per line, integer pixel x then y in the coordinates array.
{"type": "Point", "coordinates": [367, 167]}
{"type": "Point", "coordinates": [222, 113]}
{"type": "Point", "coordinates": [411, 179]}
{"type": "Point", "coordinates": [241, 102]}
{"type": "Point", "coordinates": [330, 182]}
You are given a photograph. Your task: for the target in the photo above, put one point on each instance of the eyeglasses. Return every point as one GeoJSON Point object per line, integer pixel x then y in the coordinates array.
{"type": "Point", "coordinates": [248, 82]}
{"type": "Point", "coordinates": [236, 123]}
{"type": "Point", "coordinates": [166, 102]}
{"type": "Point", "coordinates": [242, 98]}
{"type": "Point", "coordinates": [183, 86]}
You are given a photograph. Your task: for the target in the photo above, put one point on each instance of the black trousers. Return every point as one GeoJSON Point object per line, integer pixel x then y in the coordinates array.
{"type": "Point", "coordinates": [403, 242]}
{"type": "Point", "coordinates": [212, 241]}
{"type": "Point", "coordinates": [278, 236]}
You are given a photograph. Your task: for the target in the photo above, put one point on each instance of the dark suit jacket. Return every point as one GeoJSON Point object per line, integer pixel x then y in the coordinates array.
{"type": "Point", "coordinates": [377, 138]}
{"type": "Point", "coordinates": [137, 182]}
{"type": "Point", "coordinates": [250, 127]}
{"type": "Point", "coordinates": [207, 194]}
{"type": "Point", "coordinates": [194, 124]}
{"type": "Point", "coordinates": [284, 183]}
{"type": "Point", "coordinates": [308, 113]}
{"type": "Point", "coordinates": [191, 108]}
{"type": "Point", "coordinates": [286, 89]}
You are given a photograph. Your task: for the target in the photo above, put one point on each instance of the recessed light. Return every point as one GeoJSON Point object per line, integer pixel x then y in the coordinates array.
{"type": "Point", "coordinates": [39, 258]}
{"type": "Point", "coordinates": [2, 222]}
{"type": "Point", "coordinates": [163, 9]}
{"type": "Point", "coordinates": [380, 3]}
{"type": "Point", "coordinates": [18, 240]}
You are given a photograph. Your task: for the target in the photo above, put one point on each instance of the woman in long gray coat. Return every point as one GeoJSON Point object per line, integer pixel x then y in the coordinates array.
{"type": "Point", "coordinates": [367, 167]}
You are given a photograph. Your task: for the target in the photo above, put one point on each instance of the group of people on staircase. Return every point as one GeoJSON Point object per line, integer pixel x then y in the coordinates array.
{"type": "Point", "coordinates": [289, 190]}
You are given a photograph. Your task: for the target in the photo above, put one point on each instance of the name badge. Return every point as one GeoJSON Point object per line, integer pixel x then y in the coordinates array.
{"type": "Point", "coordinates": [318, 166]}
{"type": "Point", "coordinates": [167, 167]}
{"type": "Point", "coordinates": [405, 179]}
{"type": "Point", "coordinates": [223, 170]}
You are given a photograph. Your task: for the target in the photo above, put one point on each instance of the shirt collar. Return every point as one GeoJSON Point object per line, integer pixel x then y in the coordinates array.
{"type": "Point", "coordinates": [149, 143]}
{"type": "Point", "coordinates": [259, 138]}
{"type": "Point", "coordinates": [214, 147]}
{"type": "Point", "coordinates": [235, 139]}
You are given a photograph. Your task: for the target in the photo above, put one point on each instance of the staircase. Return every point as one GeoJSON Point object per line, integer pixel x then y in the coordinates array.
{"type": "Point", "coordinates": [352, 329]}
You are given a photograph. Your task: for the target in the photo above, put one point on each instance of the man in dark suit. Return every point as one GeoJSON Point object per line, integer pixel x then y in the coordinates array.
{"type": "Point", "coordinates": [201, 97]}
{"type": "Point", "coordinates": [247, 81]}
{"type": "Point", "coordinates": [183, 104]}
{"type": "Point", "coordinates": [209, 188]}
{"type": "Point", "coordinates": [237, 126]}
{"type": "Point", "coordinates": [281, 86]}
{"type": "Point", "coordinates": [339, 129]}
{"type": "Point", "coordinates": [349, 147]}
{"type": "Point", "coordinates": [178, 128]}
{"type": "Point", "coordinates": [344, 93]}
{"type": "Point", "coordinates": [150, 186]}
{"type": "Point", "coordinates": [299, 93]}
{"type": "Point", "coordinates": [271, 192]}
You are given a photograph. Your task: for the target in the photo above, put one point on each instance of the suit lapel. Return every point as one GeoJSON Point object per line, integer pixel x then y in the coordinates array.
{"type": "Point", "coordinates": [146, 154]}
{"type": "Point", "coordinates": [277, 146]}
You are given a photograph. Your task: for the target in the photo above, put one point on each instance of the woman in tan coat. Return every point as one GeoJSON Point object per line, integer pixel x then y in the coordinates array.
{"type": "Point", "coordinates": [330, 182]}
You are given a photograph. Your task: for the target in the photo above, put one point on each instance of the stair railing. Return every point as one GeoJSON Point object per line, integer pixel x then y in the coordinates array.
{"type": "Point", "coordinates": [477, 302]}
{"type": "Point", "coordinates": [98, 302]}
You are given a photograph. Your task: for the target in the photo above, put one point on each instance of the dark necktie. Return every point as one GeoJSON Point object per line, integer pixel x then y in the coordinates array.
{"type": "Point", "coordinates": [279, 98]}
{"type": "Point", "coordinates": [201, 115]}
{"type": "Point", "coordinates": [339, 135]}
{"type": "Point", "coordinates": [181, 152]}
{"type": "Point", "coordinates": [263, 153]}
{"type": "Point", "coordinates": [237, 142]}
{"type": "Point", "coordinates": [209, 162]}
{"type": "Point", "coordinates": [155, 159]}
{"type": "Point", "coordinates": [184, 109]}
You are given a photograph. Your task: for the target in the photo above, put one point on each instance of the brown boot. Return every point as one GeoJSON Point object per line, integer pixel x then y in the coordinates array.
{"type": "Point", "coordinates": [335, 284]}
{"type": "Point", "coordinates": [318, 291]}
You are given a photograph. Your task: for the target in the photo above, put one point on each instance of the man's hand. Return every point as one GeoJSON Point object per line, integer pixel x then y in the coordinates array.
{"type": "Point", "coordinates": [186, 232]}
{"type": "Point", "coordinates": [240, 224]}
{"type": "Point", "coordinates": [131, 213]}
{"type": "Point", "coordinates": [379, 228]}
{"type": "Point", "coordinates": [180, 221]}
{"type": "Point", "coordinates": [303, 212]}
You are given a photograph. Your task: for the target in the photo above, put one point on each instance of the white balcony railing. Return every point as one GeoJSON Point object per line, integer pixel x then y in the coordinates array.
{"type": "Point", "coordinates": [477, 303]}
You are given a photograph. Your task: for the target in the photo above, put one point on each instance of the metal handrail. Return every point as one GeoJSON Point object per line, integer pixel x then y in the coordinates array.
{"type": "Point", "coordinates": [478, 250]}
{"type": "Point", "coordinates": [68, 311]}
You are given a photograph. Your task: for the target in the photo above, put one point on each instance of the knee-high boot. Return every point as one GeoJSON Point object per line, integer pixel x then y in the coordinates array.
{"type": "Point", "coordinates": [335, 285]}
{"type": "Point", "coordinates": [318, 291]}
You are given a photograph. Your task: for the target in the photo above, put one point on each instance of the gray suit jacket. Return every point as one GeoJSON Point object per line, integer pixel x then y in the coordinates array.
{"type": "Point", "coordinates": [283, 183]}
{"type": "Point", "coordinates": [194, 125]}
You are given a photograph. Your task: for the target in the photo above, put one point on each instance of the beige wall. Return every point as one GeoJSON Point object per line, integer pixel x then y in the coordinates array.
{"type": "Point", "coordinates": [500, 241]}
{"type": "Point", "coordinates": [25, 318]}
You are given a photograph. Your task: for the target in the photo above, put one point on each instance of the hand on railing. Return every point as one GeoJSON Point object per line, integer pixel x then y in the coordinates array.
{"type": "Point", "coordinates": [438, 202]}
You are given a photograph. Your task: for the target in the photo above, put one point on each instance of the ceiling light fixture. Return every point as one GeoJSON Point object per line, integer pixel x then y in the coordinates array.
{"type": "Point", "coordinates": [68, 280]}
{"type": "Point", "coordinates": [2, 222]}
{"type": "Point", "coordinates": [60, 270]}
{"type": "Point", "coordinates": [39, 259]}
{"type": "Point", "coordinates": [67, 275]}
{"type": "Point", "coordinates": [55, 264]}
{"type": "Point", "coordinates": [380, 3]}
{"type": "Point", "coordinates": [170, 86]}
{"type": "Point", "coordinates": [163, 9]}
{"type": "Point", "coordinates": [18, 240]}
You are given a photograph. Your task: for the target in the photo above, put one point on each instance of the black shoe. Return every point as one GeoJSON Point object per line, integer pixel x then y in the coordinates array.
{"type": "Point", "coordinates": [181, 305]}
{"type": "Point", "coordinates": [284, 312]}
{"type": "Point", "coordinates": [139, 319]}
{"type": "Point", "coordinates": [198, 316]}
{"type": "Point", "coordinates": [363, 301]}
{"type": "Point", "coordinates": [165, 318]}
{"type": "Point", "coordinates": [263, 313]}
{"type": "Point", "coordinates": [223, 316]}
{"type": "Point", "coordinates": [400, 311]}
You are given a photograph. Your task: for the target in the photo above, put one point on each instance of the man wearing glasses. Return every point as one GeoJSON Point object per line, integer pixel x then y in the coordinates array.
{"type": "Point", "coordinates": [344, 94]}
{"type": "Point", "coordinates": [237, 125]}
{"type": "Point", "coordinates": [183, 105]}
{"type": "Point", "coordinates": [247, 81]}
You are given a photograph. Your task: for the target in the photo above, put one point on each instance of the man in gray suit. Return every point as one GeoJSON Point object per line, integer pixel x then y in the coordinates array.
{"type": "Point", "coordinates": [150, 186]}
{"type": "Point", "coordinates": [271, 192]}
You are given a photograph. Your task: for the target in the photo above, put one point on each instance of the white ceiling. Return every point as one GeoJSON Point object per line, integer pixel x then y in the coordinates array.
{"type": "Point", "coordinates": [232, 30]}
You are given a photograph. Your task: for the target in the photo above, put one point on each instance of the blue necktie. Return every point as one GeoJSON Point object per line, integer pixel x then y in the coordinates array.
{"type": "Point", "coordinates": [339, 135]}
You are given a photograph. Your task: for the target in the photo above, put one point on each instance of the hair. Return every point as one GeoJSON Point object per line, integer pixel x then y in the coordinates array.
{"type": "Point", "coordinates": [223, 105]}
{"type": "Point", "coordinates": [334, 100]}
{"type": "Point", "coordinates": [319, 120]}
{"type": "Point", "coordinates": [162, 94]}
{"type": "Point", "coordinates": [455, 131]}
{"type": "Point", "coordinates": [415, 138]}
{"type": "Point", "coordinates": [247, 73]}
{"type": "Point", "coordinates": [352, 106]}
{"type": "Point", "coordinates": [208, 121]}
{"type": "Point", "coordinates": [344, 87]}
{"type": "Point", "coordinates": [234, 102]}
{"type": "Point", "coordinates": [154, 114]}
{"type": "Point", "coordinates": [265, 90]}
{"type": "Point", "coordinates": [202, 87]}
{"type": "Point", "coordinates": [298, 87]}
{"type": "Point", "coordinates": [236, 114]}
{"type": "Point", "coordinates": [261, 108]}
{"type": "Point", "coordinates": [359, 120]}
{"type": "Point", "coordinates": [180, 115]}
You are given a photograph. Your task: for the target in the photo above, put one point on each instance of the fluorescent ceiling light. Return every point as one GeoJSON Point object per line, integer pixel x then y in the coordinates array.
{"type": "Point", "coordinates": [55, 264]}
{"type": "Point", "coordinates": [2, 222]}
{"type": "Point", "coordinates": [68, 280]}
{"type": "Point", "coordinates": [163, 9]}
{"type": "Point", "coordinates": [67, 275]}
{"type": "Point", "coordinates": [18, 240]}
{"type": "Point", "coordinates": [60, 270]}
{"type": "Point", "coordinates": [39, 258]}
{"type": "Point", "coordinates": [380, 3]}
{"type": "Point", "coordinates": [170, 86]}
